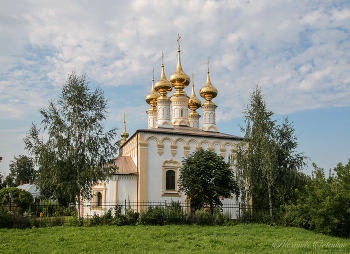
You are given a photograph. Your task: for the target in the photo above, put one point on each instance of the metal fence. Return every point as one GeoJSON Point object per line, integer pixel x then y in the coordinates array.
{"type": "Point", "coordinates": [88, 209]}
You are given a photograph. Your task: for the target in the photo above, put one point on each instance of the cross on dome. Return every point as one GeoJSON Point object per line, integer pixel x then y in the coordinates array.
{"type": "Point", "coordinates": [178, 41]}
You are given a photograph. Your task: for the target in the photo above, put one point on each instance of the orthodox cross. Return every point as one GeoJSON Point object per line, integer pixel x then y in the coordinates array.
{"type": "Point", "coordinates": [162, 57]}
{"type": "Point", "coordinates": [153, 73]}
{"type": "Point", "coordinates": [208, 64]}
{"type": "Point", "coordinates": [178, 41]}
{"type": "Point", "coordinates": [192, 79]}
{"type": "Point", "coordinates": [124, 119]}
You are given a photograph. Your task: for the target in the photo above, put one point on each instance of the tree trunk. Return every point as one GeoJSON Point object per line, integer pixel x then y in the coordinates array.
{"type": "Point", "coordinates": [79, 206]}
{"type": "Point", "coordinates": [270, 199]}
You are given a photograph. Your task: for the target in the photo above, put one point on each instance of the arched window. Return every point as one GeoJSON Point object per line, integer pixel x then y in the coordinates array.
{"type": "Point", "coordinates": [170, 180]}
{"type": "Point", "coordinates": [99, 198]}
{"type": "Point", "coordinates": [181, 113]}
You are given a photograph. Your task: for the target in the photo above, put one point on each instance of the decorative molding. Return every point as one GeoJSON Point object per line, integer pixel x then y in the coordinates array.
{"type": "Point", "coordinates": [160, 149]}
{"type": "Point", "coordinates": [223, 152]}
{"type": "Point", "coordinates": [171, 194]}
{"type": "Point", "coordinates": [211, 149]}
{"type": "Point", "coordinates": [173, 150]}
{"type": "Point", "coordinates": [166, 163]}
{"type": "Point", "coordinates": [99, 186]}
{"type": "Point", "coordinates": [186, 150]}
{"type": "Point", "coordinates": [143, 144]}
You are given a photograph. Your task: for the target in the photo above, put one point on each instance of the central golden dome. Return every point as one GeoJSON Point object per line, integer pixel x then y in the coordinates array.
{"type": "Point", "coordinates": [179, 77]}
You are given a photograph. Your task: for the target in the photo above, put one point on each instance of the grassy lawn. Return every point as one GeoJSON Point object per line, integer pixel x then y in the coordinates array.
{"type": "Point", "coordinates": [169, 239]}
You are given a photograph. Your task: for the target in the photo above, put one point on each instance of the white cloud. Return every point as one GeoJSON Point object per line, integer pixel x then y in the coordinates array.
{"type": "Point", "coordinates": [291, 48]}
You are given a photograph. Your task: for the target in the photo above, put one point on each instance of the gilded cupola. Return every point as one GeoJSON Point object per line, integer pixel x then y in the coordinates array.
{"type": "Point", "coordinates": [151, 98]}
{"type": "Point", "coordinates": [179, 79]}
{"type": "Point", "coordinates": [124, 134]}
{"type": "Point", "coordinates": [194, 103]}
{"type": "Point", "coordinates": [163, 86]}
{"type": "Point", "coordinates": [208, 91]}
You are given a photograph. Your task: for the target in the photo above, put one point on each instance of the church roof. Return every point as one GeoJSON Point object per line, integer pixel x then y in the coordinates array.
{"type": "Point", "coordinates": [32, 188]}
{"type": "Point", "coordinates": [126, 165]}
{"type": "Point", "coordinates": [189, 131]}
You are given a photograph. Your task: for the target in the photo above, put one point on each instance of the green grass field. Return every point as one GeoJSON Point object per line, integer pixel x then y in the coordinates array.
{"type": "Point", "coordinates": [242, 238]}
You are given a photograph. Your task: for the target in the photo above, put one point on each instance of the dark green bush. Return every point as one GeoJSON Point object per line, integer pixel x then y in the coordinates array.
{"type": "Point", "coordinates": [20, 199]}
{"type": "Point", "coordinates": [153, 216]}
{"type": "Point", "coordinates": [174, 214]}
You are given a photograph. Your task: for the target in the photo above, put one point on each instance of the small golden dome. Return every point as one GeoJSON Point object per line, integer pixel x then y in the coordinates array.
{"type": "Point", "coordinates": [151, 98]}
{"type": "Point", "coordinates": [124, 134]}
{"type": "Point", "coordinates": [208, 92]}
{"type": "Point", "coordinates": [194, 102]}
{"type": "Point", "coordinates": [163, 86]}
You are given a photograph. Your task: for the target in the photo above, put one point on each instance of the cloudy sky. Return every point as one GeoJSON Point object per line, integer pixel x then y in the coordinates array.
{"type": "Point", "coordinates": [297, 51]}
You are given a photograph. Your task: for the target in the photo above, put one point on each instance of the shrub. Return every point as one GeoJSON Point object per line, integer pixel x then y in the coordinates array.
{"type": "Point", "coordinates": [174, 214]}
{"type": "Point", "coordinates": [153, 216]}
{"type": "Point", "coordinates": [131, 216]}
{"type": "Point", "coordinates": [21, 199]}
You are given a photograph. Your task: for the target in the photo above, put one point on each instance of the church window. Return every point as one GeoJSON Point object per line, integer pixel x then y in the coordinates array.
{"type": "Point", "coordinates": [99, 198]}
{"type": "Point", "coordinates": [170, 180]}
{"type": "Point", "coordinates": [181, 113]}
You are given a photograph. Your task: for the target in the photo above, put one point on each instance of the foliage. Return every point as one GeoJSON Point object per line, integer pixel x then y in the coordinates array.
{"type": "Point", "coordinates": [21, 169]}
{"type": "Point", "coordinates": [204, 217]}
{"type": "Point", "coordinates": [50, 208]}
{"type": "Point", "coordinates": [21, 199]}
{"type": "Point", "coordinates": [77, 153]}
{"type": "Point", "coordinates": [1, 181]}
{"type": "Point", "coordinates": [266, 162]}
{"type": "Point", "coordinates": [324, 204]}
{"type": "Point", "coordinates": [106, 219]}
{"type": "Point", "coordinates": [206, 178]}
{"type": "Point", "coordinates": [153, 215]}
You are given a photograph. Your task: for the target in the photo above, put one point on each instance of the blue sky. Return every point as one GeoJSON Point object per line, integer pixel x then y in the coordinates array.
{"type": "Point", "coordinates": [297, 51]}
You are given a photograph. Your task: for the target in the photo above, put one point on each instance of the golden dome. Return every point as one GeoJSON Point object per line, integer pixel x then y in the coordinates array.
{"type": "Point", "coordinates": [208, 91]}
{"type": "Point", "coordinates": [179, 76]}
{"type": "Point", "coordinates": [194, 102]}
{"type": "Point", "coordinates": [163, 86]}
{"type": "Point", "coordinates": [151, 98]}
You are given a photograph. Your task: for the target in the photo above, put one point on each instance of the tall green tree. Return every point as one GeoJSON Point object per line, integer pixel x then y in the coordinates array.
{"type": "Point", "coordinates": [77, 153]}
{"type": "Point", "coordinates": [205, 178]}
{"type": "Point", "coordinates": [21, 169]}
{"type": "Point", "coordinates": [266, 162]}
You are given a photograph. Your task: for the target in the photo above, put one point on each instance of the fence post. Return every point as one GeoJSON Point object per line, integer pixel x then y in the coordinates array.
{"type": "Point", "coordinates": [239, 210]}
{"type": "Point", "coordinates": [125, 206]}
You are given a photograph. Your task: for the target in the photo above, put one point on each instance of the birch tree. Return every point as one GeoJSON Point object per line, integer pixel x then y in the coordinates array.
{"type": "Point", "coordinates": [77, 153]}
{"type": "Point", "coordinates": [266, 160]}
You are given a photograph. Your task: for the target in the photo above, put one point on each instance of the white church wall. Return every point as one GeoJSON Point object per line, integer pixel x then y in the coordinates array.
{"type": "Point", "coordinates": [127, 188]}
{"type": "Point", "coordinates": [154, 170]}
{"type": "Point", "coordinates": [161, 148]}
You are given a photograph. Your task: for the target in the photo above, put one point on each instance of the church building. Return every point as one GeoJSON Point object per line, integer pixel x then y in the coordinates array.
{"type": "Point", "coordinates": [150, 160]}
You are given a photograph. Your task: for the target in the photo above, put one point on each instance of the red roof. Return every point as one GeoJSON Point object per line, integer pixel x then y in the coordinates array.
{"type": "Point", "coordinates": [126, 165]}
